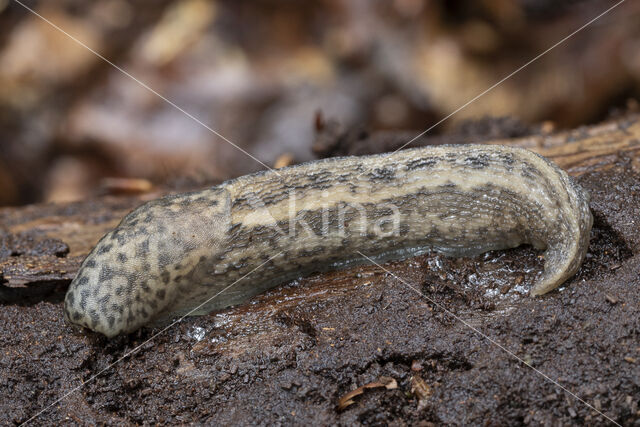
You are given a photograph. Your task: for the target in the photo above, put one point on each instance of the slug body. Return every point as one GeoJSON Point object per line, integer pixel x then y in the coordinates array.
{"type": "Point", "coordinates": [249, 234]}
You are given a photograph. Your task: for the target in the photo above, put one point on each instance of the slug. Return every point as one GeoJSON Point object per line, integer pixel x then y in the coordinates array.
{"type": "Point", "coordinates": [172, 254]}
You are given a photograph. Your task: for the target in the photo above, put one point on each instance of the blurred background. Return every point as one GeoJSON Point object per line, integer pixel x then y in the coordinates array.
{"type": "Point", "coordinates": [259, 72]}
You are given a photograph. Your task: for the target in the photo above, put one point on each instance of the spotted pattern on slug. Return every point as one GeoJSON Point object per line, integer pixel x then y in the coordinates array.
{"type": "Point", "coordinates": [172, 254]}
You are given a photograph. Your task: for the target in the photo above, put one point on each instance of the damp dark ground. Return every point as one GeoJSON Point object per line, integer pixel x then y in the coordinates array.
{"type": "Point", "coordinates": [453, 334]}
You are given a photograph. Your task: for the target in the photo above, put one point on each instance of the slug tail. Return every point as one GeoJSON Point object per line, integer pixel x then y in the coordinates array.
{"type": "Point", "coordinates": [562, 261]}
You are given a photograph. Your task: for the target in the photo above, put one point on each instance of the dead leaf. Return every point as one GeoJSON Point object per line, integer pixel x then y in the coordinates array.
{"type": "Point", "coordinates": [611, 299]}
{"type": "Point", "coordinates": [421, 390]}
{"type": "Point", "coordinates": [387, 382]}
{"type": "Point", "coordinates": [284, 160]}
{"type": "Point", "coordinates": [126, 185]}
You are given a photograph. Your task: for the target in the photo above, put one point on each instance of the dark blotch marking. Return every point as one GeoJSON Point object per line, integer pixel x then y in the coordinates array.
{"type": "Point", "coordinates": [103, 303]}
{"type": "Point", "coordinates": [507, 159]}
{"type": "Point", "coordinates": [163, 259]}
{"type": "Point", "coordinates": [234, 228]}
{"type": "Point", "coordinates": [106, 273]}
{"type": "Point", "coordinates": [477, 162]}
{"type": "Point", "coordinates": [165, 277]}
{"type": "Point", "coordinates": [104, 249]}
{"type": "Point", "coordinates": [382, 174]}
{"type": "Point", "coordinates": [122, 258]}
{"type": "Point", "coordinates": [143, 248]}
{"type": "Point", "coordinates": [530, 172]}
{"type": "Point", "coordinates": [421, 164]}
{"type": "Point", "coordinates": [83, 299]}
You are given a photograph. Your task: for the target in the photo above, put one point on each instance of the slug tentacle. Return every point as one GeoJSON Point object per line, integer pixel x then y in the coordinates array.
{"type": "Point", "coordinates": [172, 254]}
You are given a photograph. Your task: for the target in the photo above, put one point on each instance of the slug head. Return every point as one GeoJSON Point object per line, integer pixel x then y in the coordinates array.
{"type": "Point", "coordinates": [132, 274]}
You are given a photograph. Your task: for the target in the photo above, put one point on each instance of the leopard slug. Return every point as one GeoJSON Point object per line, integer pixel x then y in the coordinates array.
{"type": "Point", "coordinates": [172, 254]}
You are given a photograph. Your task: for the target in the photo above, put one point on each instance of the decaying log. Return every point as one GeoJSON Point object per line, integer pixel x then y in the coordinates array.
{"type": "Point", "coordinates": [32, 236]}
